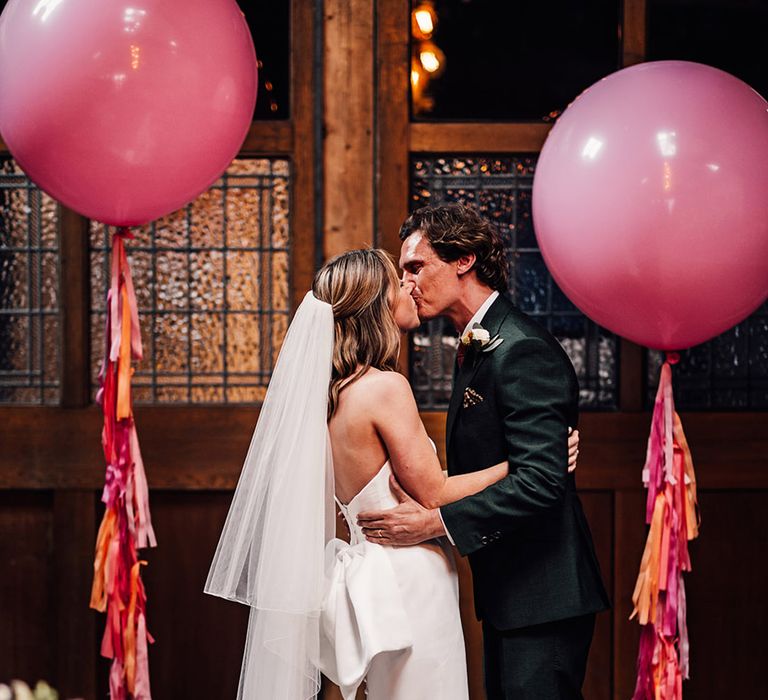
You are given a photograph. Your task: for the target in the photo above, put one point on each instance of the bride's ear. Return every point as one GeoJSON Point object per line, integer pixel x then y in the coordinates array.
{"type": "Point", "coordinates": [465, 263]}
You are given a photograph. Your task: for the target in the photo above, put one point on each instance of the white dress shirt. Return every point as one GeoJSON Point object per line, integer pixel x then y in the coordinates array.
{"type": "Point", "coordinates": [477, 318]}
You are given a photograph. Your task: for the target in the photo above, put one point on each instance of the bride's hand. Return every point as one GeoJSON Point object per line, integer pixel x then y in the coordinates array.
{"type": "Point", "coordinates": [407, 523]}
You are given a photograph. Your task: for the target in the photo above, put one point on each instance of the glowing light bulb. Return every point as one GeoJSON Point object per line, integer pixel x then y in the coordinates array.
{"type": "Point", "coordinates": [430, 61]}
{"type": "Point", "coordinates": [415, 78]}
{"type": "Point", "coordinates": [424, 21]}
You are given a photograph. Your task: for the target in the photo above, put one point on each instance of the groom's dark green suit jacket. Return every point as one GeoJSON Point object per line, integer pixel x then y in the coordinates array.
{"type": "Point", "coordinates": [528, 541]}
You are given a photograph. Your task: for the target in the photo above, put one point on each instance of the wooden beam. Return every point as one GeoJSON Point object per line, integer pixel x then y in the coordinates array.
{"type": "Point", "coordinates": [392, 121]}
{"type": "Point", "coordinates": [269, 138]}
{"type": "Point", "coordinates": [75, 309]}
{"type": "Point", "coordinates": [303, 197]}
{"type": "Point", "coordinates": [631, 368]}
{"type": "Point", "coordinates": [729, 449]}
{"type": "Point", "coordinates": [629, 533]}
{"type": "Point", "coordinates": [392, 129]}
{"type": "Point", "coordinates": [349, 114]}
{"type": "Point", "coordinates": [478, 137]}
{"type": "Point", "coordinates": [633, 45]}
{"type": "Point", "coordinates": [203, 447]}
{"type": "Point", "coordinates": [74, 539]}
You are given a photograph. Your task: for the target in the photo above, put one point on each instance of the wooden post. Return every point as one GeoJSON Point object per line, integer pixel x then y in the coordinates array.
{"type": "Point", "coordinates": [348, 152]}
{"type": "Point", "coordinates": [75, 309]}
{"type": "Point", "coordinates": [74, 635]}
{"type": "Point", "coordinates": [633, 32]}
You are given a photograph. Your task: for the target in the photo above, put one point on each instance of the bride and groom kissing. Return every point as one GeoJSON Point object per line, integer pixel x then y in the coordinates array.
{"type": "Point", "coordinates": [339, 427]}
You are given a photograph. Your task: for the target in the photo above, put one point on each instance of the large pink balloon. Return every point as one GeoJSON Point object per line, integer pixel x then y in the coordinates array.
{"type": "Point", "coordinates": [650, 202]}
{"type": "Point", "coordinates": [125, 110]}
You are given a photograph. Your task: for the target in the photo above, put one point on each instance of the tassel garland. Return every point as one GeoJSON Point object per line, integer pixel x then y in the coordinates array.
{"type": "Point", "coordinates": [126, 526]}
{"type": "Point", "coordinates": [673, 516]}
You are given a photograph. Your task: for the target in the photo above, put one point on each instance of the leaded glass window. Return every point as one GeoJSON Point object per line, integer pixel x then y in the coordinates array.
{"type": "Point", "coordinates": [500, 187]}
{"type": "Point", "coordinates": [212, 285]}
{"type": "Point", "coordinates": [29, 289]}
{"type": "Point", "coordinates": [729, 372]}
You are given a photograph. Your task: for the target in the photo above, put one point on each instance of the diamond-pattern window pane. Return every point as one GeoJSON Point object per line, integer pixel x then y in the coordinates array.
{"type": "Point", "coordinates": [212, 285]}
{"type": "Point", "coordinates": [501, 189]}
{"type": "Point", "coordinates": [29, 291]}
{"type": "Point", "coordinates": [729, 372]}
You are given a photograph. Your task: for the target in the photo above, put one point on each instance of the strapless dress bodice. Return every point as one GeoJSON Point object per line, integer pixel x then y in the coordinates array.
{"type": "Point", "coordinates": [375, 495]}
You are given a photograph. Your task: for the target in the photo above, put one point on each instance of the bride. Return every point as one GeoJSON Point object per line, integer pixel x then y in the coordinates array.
{"type": "Point", "coordinates": [337, 422]}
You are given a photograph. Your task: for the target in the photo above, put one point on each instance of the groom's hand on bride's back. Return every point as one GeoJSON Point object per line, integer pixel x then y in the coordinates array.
{"type": "Point", "coordinates": [573, 448]}
{"type": "Point", "coordinates": [407, 523]}
{"type": "Point", "coordinates": [410, 523]}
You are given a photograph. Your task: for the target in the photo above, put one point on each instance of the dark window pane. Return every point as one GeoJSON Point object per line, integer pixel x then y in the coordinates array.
{"type": "Point", "coordinates": [500, 187]}
{"type": "Point", "coordinates": [270, 24]}
{"type": "Point", "coordinates": [728, 372]}
{"type": "Point", "coordinates": [727, 34]}
{"type": "Point", "coordinates": [504, 60]}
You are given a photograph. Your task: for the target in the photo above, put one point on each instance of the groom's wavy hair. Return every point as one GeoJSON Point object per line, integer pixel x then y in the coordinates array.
{"type": "Point", "coordinates": [454, 230]}
{"type": "Point", "coordinates": [360, 285]}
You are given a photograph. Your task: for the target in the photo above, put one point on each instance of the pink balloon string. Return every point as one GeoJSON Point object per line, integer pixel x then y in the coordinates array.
{"type": "Point", "coordinates": [672, 513]}
{"type": "Point", "coordinates": [127, 526]}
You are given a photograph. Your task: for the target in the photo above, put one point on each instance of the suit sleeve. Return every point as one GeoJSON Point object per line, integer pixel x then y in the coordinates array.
{"type": "Point", "coordinates": [535, 397]}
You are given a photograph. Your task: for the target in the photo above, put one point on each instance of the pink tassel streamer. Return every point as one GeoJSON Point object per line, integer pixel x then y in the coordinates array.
{"type": "Point", "coordinates": [127, 526]}
{"type": "Point", "coordinates": [672, 512]}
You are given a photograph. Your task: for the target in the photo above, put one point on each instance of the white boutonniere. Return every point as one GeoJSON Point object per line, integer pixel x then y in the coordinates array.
{"type": "Point", "coordinates": [480, 339]}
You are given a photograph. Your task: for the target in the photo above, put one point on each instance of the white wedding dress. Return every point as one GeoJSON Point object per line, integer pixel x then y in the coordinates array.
{"type": "Point", "coordinates": [391, 614]}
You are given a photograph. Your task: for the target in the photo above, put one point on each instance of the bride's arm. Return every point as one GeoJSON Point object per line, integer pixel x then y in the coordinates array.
{"type": "Point", "coordinates": [413, 459]}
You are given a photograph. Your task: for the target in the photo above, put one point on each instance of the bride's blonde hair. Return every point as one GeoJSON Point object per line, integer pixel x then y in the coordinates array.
{"type": "Point", "coordinates": [361, 286]}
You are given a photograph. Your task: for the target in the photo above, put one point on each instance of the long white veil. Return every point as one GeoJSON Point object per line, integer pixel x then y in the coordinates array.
{"type": "Point", "coordinates": [271, 552]}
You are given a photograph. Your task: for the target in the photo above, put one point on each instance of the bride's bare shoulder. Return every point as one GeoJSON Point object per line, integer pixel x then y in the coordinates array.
{"type": "Point", "coordinates": [378, 385]}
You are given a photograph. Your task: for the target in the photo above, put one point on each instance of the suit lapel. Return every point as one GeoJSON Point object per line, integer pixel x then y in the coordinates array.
{"type": "Point", "coordinates": [472, 361]}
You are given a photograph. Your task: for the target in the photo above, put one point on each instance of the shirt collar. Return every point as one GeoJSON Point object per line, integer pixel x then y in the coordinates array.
{"type": "Point", "coordinates": [480, 313]}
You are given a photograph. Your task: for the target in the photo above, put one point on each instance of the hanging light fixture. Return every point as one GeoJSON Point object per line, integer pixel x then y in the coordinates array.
{"type": "Point", "coordinates": [427, 60]}
{"type": "Point", "coordinates": [431, 58]}
{"type": "Point", "coordinates": [423, 20]}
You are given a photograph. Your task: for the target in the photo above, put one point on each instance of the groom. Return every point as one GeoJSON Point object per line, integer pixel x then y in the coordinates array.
{"type": "Point", "coordinates": [536, 578]}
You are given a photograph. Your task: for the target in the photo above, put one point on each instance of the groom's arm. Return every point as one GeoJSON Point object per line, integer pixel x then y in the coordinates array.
{"type": "Point", "coordinates": [535, 397]}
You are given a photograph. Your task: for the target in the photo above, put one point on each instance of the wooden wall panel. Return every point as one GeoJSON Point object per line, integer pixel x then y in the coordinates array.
{"type": "Point", "coordinates": [629, 533]}
{"type": "Point", "coordinates": [48, 631]}
{"type": "Point", "coordinates": [727, 593]}
{"type": "Point", "coordinates": [598, 507]}
{"type": "Point", "coordinates": [473, 630]}
{"type": "Point", "coordinates": [74, 626]}
{"type": "Point", "coordinates": [27, 620]}
{"type": "Point", "coordinates": [199, 638]}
